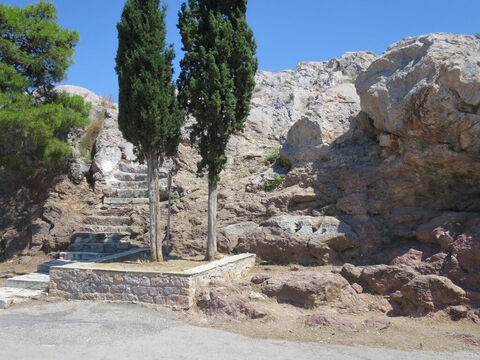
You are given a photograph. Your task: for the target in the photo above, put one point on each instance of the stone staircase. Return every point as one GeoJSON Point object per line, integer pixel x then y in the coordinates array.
{"type": "Point", "coordinates": [87, 247]}
{"type": "Point", "coordinates": [106, 230]}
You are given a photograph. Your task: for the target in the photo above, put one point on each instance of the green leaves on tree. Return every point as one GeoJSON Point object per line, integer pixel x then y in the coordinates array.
{"type": "Point", "coordinates": [35, 53]}
{"type": "Point", "coordinates": [149, 115]}
{"type": "Point", "coordinates": [217, 77]}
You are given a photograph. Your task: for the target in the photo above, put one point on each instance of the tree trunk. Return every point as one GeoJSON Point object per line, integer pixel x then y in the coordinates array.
{"type": "Point", "coordinates": [158, 232]}
{"type": "Point", "coordinates": [212, 222]}
{"type": "Point", "coordinates": [151, 166]}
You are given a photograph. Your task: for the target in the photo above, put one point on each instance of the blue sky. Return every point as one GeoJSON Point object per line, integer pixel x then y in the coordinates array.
{"type": "Point", "coordinates": [287, 31]}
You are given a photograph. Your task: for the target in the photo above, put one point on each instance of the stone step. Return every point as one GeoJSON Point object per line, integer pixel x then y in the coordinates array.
{"type": "Point", "coordinates": [132, 168]}
{"type": "Point", "coordinates": [132, 193]}
{"type": "Point", "coordinates": [125, 176]}
{"type": "Point", "coordinates": [34, 281]}
{"type": "Point", "coordinates": [45, 267]}
{"type": "Point", "coordinates": [131, 230]}
{"type": "Point", "coordinates": [108, 220]}
{"type": "Point", "coordinates": [124, 201]}
{"type": "Point", "coordinates": [128, 185]}
{"type": "Point", "coordinates": [101, 236]}
{"type": "Point", "coordinates": [102, 247]}
{"type": "Point", "coordinates": [79, 255]}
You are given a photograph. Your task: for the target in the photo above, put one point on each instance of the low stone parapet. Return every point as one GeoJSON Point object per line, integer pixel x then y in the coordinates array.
{"type": "Point", "coordinates": [90, 281]}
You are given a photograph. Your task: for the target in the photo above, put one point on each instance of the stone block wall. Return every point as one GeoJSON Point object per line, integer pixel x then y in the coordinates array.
{"type": "Point", "coordinates": [85, 282]}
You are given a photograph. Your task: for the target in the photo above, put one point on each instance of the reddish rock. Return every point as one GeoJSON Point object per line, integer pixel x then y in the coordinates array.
{"type": "Point", "coordinates": [260, 278]}
{"type": "Point", "coordinates": [378, 323]}
{"type": "Point", "coordinates": [411, 258]}
{"type": "Point", "coordinates": [331, 321]}
{"type": "Point", "coordinates": [386, 279]}
{"type": "Point", "coordinates": [311, 289]}
{"type": "Point", "coordinates": [469, 339]}
{"type": "Point", "coordinates": [351, 273]}
{"type": "Point", "coordinates": [358, 288]}
{"type": "Point", "coordinates": [432, 292]}
{"type": "Point", "coordinates": [224, 302]}
{"type": "Point", "coordinates": [459, 235]}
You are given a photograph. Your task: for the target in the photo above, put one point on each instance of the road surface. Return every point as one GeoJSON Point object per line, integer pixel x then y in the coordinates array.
{"type": "Point", "coordinates": [93, 330]}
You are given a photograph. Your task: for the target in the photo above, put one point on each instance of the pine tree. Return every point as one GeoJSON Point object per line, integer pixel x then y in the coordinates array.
{"type": "Point", "coordinates": [216, 84]}
{"type": "Point", "coordinates": [149, 116]}
{"type": "Point", "coordinates": [35, 53]}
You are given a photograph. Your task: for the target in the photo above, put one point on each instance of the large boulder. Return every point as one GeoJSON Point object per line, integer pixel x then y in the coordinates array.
{"type": "Point", "coordinates": [312, 289]}
{"type": "Point", "coordinates": [432, 292]}
{"type": "Point", "coordinates": [306, 240]}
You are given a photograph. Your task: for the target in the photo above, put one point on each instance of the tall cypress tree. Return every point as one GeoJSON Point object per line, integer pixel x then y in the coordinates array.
{"type": "Point", "coordinates": [149, 116]}
{"type": "Point", "coordinates": [216, 84]}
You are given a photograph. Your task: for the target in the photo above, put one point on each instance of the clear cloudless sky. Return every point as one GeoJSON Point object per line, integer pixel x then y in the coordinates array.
{"type": "Point", "coordinates": [287, 31]}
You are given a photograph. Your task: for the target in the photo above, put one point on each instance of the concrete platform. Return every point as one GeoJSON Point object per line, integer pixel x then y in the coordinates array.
{"type": "Point", "coordinates": [45, 267]}
{"type": "Point", "coordinates": [9, 295]}
{"type": "Point", "coordinates": [35, 281]}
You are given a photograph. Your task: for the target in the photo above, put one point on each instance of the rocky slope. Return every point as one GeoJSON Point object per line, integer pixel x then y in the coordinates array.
{"type": "Point", "coordinates": [369, 160]}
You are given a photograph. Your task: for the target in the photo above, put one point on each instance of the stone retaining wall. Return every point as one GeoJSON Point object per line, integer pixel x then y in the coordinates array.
{"type": "Point", "coordinates": [176, 289]}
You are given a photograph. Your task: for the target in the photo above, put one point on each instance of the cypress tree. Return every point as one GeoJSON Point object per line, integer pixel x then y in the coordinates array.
{"type": "Point", "coordinates": [149, 116]}
{"type": "Point", "coordinates": [215, 84]}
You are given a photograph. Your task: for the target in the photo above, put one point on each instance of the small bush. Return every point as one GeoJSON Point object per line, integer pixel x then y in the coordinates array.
{"type": "Point", "coordinates": [275, 159]}
{"type": "Point", "coordinates": [477, 35]}
{"type": "Point", "coordinates": [274, 183]}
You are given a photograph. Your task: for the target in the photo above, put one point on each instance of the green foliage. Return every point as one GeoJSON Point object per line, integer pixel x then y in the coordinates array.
{"type": "Point", "coordinates": [34, 46]}
{"type": "Point", "coordinates": [274, 183]}
{"type": "Point", "coordinates": [275, 159]}
{"type": "Point", "coordinates": [149, 116]}
{"type": "Point", "coordinates": [35, 52]}
{"type": "Point", "coordinates": [217, 77]}
{"type": "Point", "coordinates": [477, 35]}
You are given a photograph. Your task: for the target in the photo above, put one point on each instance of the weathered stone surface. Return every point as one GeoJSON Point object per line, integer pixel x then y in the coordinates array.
{"type": "Point", "coordinates": [337, 234]}
{"type": "Point", "coordinates": [217, 300]}
{"type": "Point", "coordinates": [302, 239]}
{"type": "Point", "coordinates": [385, 279]}
{"type": "Point", "coordinates": [432, 292]}
{"type": "Point", "coordinates": [426, 87]}
{"type": "Point", "coordinates": [458, 234]}
{"type": "Point", "coordinates": [227, 237]}
{"type": "Point", "coordinates": [331, 321]}
{"type": "Point", "coordinates": [311, 289]}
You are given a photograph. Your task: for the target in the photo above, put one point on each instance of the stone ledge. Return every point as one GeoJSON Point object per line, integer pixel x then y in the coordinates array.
{"type": "Point", "coordinates": [86, 281]}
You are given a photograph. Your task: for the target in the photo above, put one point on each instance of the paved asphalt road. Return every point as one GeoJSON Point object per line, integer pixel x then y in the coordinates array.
{"type": "Point", "coordinates": [87, 330]}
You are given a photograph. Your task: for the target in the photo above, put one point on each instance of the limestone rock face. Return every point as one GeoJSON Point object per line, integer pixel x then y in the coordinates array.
{"type": "Point", "coordinates": [426, 87]}
{"type": "Point", "coordinates": [306, 240]}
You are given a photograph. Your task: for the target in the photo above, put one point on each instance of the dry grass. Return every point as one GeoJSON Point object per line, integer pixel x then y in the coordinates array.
{"type": "Point", "coordinates": [107, 101]}
{"type": "Point", "coordinates": [90, 136]}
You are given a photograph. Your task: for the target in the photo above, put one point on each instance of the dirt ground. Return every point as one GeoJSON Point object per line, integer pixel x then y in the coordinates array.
{"type": "Point", "coordinates": [287, 322]}
{"type": "Point", "coordinates": [374, 328]}
{"type": "Point", "coordinates": [19, 266]}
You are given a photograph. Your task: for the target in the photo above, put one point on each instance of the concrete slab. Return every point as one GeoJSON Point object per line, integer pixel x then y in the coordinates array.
{"type": "Point", "coordinates": [34, 281]}
{"type": "Point", "coordinates": [45, 267]}
{"type": "Point", "coordinates": [9, 296]}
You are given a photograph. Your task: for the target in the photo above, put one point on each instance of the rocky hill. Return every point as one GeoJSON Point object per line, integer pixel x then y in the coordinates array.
{"type": "Point", "coordinates": [366, 160]}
